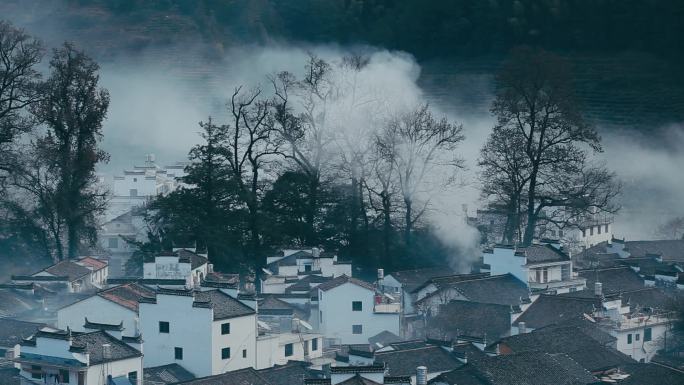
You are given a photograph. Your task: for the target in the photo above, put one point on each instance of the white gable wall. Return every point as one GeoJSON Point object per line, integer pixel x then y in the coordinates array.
{"type": "Point", "coordinates": [99, 310]}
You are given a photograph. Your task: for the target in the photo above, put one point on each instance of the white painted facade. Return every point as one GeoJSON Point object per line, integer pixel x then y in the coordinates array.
{"type": "Point", "coordinates": [137, 185]}
{"type": "Point", "coordinates": [98, 310]}
{"type": "Point", "coordinates": [278, 348]}
{"type": "Point", "coordinates": [341, 324]}
{"type": "Point", "coordinates": [282, 272]}
{"type": "Point", "coordinates": [557, 276]}
{"type": "Point", "coordinates": [194, 330]}
{"type": "Point", "coordinates": [77, 365]}
{"type": "Point", "coordinates": [171, 267]}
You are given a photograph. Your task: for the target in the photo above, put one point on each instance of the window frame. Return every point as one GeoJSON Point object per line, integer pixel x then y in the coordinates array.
{"type": "Point", "coordinates": [176, 351]}
{"type": "Point", "coordinates": [167, 327]}
{"type": "Point", "coordinates": [64, 374]}
{"type": "Point", "coordinates": [357, 331]}
{"type": "Point", "coordinates": [629, 339]}
{"type": "Point", "coordinates": [314, 344]}
{"type": "Point", "coordinates": [225, 353]}
{"type": "Point", "coordinates": [224, 326]}
{"type": "Point", "coordinates": [289, 350]}
{"type": "Point", "coordinates": [648, 334]}
{"type": "Point", "coordinates": [357, 308]}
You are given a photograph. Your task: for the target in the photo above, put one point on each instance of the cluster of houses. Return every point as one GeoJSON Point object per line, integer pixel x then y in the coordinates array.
{"type": "Point", "coordinates": [542, 314]}
{"type": "Point", "coordinates": [533, 314]}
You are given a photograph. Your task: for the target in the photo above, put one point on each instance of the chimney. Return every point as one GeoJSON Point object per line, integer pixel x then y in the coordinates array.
{"type": "Point", "coordinates": [522, 329]}
{"type": "Point", "coordinates": [598, 289]}
{"type": "Point", "coordinates": [316, 252]}
{"type": "Point", "coordinates": [421, 375]}
{"type": "Point", "coordinates": [106, 351]}
{"type": "Point", "coordinates": [381, 279]}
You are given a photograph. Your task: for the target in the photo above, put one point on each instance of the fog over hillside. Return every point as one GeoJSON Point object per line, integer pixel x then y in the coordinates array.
{"type": "Point", "coordinates": [161, 89]}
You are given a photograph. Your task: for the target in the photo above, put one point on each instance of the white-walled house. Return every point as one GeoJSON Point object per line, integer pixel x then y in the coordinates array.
{"type": "Point", "coordinates": [135, 186]}
{"type": "Point", "coordinates": [350, 311]}
{"type": "Point", "coordinates": [110, 306]}
{"type": "Point", "coordinates": [279, 348]}
{"type": "Point", "coordinates": [292, 265]}
{"type": "Point", "coordinates": [179, 264]}
{"type": "Point", "coordinates": [207, 332]}
{"type": "Point", "coordinates": [65, 357]}
{"type": "Point", "coordinates": [77, 275]}
{"type": "Point", "coordinates": [543, 267]}
{"type": "Point", "coordinates": [638, 319]}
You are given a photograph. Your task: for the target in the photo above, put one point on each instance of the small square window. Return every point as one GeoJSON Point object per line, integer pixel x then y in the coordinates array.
{"type": "Point", "coordinates": [307, 267]}
{"type": "Point", "coordinates": [289, 350]}
{"type": "Point", "coordinates": [648, 334]}
{"type": "Point", "coordinates": [178, 353]}
{"type": "Point", "coordinates": [164, 327]}
{"type": "Point", "coordinates": [357, 306]}
{"type": "Point", "coordinates": [314, 344]}
{"type": "Point", "coordinates": [244, 353]}
{"type": "Point", "coordinates": [225, 328]}
{"type": "Point", "coordinates": [225, 353]}
{"type": "Point", "coordinates": [357, 329]}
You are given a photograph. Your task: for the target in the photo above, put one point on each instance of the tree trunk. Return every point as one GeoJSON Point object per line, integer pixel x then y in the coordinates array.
{"type": "Point", "coordinates": [409, 222]}
{"type": "Point", "coordinates": [311, 238]}
{"type": "Point", "coordinates": [531, 215]}
{"type": "Point", "coordinates": [387, 224]}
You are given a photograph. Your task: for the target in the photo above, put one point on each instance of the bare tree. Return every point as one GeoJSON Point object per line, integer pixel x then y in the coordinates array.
{"type": "Point", "coordinates": [415, 143]}
{"type": "Point", "coordinates": [504, 176]}
{"type": "Point", "coordinates": [301, 118]}
{"type": "Point", "coordinates": [19, 85]}
{"type": "Point", "coordinates": [672, 228]}
{"type": "Point", "coordinates": [534, 101]}
{"type": "Point", "coordinates": [252, 142]}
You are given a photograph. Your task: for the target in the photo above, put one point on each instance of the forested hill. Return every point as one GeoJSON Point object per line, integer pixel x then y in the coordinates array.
{"type": "Point", "coordinates": [426, 28]}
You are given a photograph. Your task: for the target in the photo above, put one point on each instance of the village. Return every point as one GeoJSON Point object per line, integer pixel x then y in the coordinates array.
{"type": "Point", "coordinates": [540, 314]}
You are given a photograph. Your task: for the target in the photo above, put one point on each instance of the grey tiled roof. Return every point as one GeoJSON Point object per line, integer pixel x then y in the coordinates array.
{"type": "Point", "coordinates": [613, 280]}
{"type": "Point", "coordinates": [13, 331]}
{"type": "Point", "coordinates": [543, 254]}
{"type": "Point", "coordinates": [195, 259]}
{"type": "Point", "coordinates": [502, 289]}
{"type": "Point", "coordinates": [526, 369]}
{"type": "Point", "coordinates": [552, 309]}
{"type": "Point", "coordinates": [411, 279]}
{"type": "Point", "coordinates": [68, 269]}
{"type": "Point", "coordinates": [573, 341]}
{"type": "Point", "coordinates": [166, 374]}
{"type": "Point", "coordinates": [292, 373]}
{"type": "Point", "coordinates": [247, 376]}
{"type": "Point", "coordinates": [670, 250]}
{"type": "Point", "coordinates": [224, 305]}
{"type": "Point", "coordinates": [341, 280]}
{"type": "Point", "coordinates": [127, 295]}
{"type": "Point", "coordinates": [405, 362]}
{"type": "Point", "coordinates": [652, 374]}
{"type": "Point", "coordinates": [471, 319]}
{"type": "Point", "coordinates": [91, 343]}
{"type": "Point", "coordinates": [383, 338]}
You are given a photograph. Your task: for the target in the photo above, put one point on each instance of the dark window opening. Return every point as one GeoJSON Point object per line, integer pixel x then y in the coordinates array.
{"type": "Point", "coordinates": [289, 350]}
{"type": "Point", "coordinates": [357, 329]}
{"type": "Point", "coordinates": [164, 327]}
{"type": "Point", "coordinates": [225, 353]}
{"type": "Point", "coordinates": [648, 334]}
{"type": "Point", "coordinates": [64, 376]}
{"type": "Point", "coordinates": [244, 353]}
{"type": "Point", "coordinates": [314, 344]}
{"type": "Point", "coordinates": [225, 328]}
{"type": "Point", "coordinates": [357, 306]}
{"type": "Point", "coordinates": [178, 353]}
